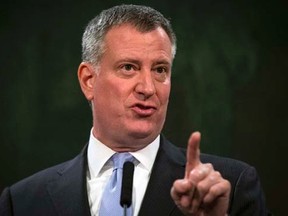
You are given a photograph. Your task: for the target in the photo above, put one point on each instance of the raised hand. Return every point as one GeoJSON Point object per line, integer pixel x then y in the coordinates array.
{"type": "Point", "coordinates": [202, 191]}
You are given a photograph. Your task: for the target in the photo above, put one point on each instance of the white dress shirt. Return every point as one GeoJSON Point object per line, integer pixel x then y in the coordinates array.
{"type": "Point", "coordinates": [100, 170]}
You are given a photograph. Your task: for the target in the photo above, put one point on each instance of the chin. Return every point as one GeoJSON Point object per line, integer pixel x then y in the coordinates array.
{"type": "Point", "coordinates": [143, 134]}
{"type": "Point", "coordinates": [144, 129]}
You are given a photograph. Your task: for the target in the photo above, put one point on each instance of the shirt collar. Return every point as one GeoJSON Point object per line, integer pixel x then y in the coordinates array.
{"type": "Point", "coordinates": [98, 154]}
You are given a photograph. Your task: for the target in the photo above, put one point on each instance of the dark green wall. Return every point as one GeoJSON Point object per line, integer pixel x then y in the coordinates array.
{"type": "Point", "coordinates": [230, 81]}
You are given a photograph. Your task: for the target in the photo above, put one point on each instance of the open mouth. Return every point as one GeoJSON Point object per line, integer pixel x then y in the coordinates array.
{"type": "Point", "coordinates": [143, 110]}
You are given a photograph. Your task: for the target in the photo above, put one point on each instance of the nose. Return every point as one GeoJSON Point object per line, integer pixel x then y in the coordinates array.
{"type": "Point", "coordinates": [145, 87]}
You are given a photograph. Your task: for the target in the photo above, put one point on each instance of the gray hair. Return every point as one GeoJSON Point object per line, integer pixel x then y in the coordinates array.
{"type": "Point", "coordinates": [143, 18]}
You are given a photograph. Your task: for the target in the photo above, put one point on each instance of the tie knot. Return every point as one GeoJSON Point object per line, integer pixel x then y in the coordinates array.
{"type": "Point", "coordinates": [120, 158]}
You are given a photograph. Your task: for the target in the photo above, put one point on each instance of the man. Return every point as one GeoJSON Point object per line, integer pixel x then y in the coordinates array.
{"type": "Point", "coordinates": [125, 74]}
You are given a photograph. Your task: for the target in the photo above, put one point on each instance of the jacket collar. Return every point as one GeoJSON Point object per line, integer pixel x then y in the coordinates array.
{"type": "Point", "coordinates": [68, 191]}
{"type": "Point", "coordinates": [168, 166]}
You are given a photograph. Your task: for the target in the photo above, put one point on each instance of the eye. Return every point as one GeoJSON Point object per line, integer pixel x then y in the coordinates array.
{"type": "Point", "coordinates": [162, 73]}
{"type": "Point", "coordinates": [127, 67]}
{"type": "Point", "coordinates": [161, 70]}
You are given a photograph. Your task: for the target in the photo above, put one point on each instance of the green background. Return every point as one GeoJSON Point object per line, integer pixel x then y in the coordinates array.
{"type": "Point", "coordinates": [229, 81]}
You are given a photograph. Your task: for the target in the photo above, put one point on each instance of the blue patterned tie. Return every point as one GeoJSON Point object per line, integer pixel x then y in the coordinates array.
{"type": "Point", "coordinates": [110, 203]}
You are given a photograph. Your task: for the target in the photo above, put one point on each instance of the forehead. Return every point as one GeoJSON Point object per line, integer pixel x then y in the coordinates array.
{"type": "Point", "coordinates": [134, 28]}
{"type": "Point", "coordinates": [127, 37]}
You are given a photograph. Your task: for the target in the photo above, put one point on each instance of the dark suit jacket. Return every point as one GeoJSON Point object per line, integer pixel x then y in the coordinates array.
{"type": "Point", "coordinates": [61, 190]}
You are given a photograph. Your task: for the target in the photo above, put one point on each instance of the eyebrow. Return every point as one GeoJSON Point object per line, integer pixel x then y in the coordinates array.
{"type": "Point", "coordinates": [128, 60]}
{"type": "Point", "coordinates": [135, 61]}
{"type": "Point", "coordinates": [163, 62]}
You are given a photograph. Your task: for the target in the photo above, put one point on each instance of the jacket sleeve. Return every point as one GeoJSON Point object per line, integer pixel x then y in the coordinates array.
{"type": "Point", "coordinates": [6, 203]}
{"type": "Point", "coordinates": [247, 196]}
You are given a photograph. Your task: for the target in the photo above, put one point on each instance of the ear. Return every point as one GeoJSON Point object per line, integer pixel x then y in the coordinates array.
{"type": "Point", "coordinates": [86, 77]}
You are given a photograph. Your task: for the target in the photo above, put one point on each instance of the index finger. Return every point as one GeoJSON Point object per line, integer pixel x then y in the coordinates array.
{"type": "Point", "coordinates": [193, 153]}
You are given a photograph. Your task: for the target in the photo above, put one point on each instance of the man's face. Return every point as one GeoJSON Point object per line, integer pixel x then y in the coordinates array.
{"type": "Point", "coordinates": [131, 88]}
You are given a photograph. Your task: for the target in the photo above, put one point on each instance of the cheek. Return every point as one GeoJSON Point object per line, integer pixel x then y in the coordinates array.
{"type": "Point", "coordinates": [163, 94]}
{"type": "Point", "coordinates": [114, 94]}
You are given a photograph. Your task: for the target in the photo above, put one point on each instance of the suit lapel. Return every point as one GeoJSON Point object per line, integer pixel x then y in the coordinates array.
{"type": "Point", "coordinates": [68, 192]}
{"type": "Point", "coordinates": [168, 166]}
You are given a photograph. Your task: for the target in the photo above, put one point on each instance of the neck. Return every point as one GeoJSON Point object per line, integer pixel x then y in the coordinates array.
{"type": "Point", "coordinates": [129, 144]}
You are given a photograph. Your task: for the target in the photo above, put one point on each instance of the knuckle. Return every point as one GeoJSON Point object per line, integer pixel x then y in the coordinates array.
{"type": "Point", "coordinates": [217, 174]}
{"type": "Point", "coordinates": [227, 184]}
{"type": "Point", "coordinates": [214, 191]}
{"type": "Point", "coordinates": [200, 186]}
{"type": "Point", "coordinates": [196, 173]}
{"type": "Point", "coordinates": [212, 178]}
{"type": "Point", "coordinates": [209, 166]}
